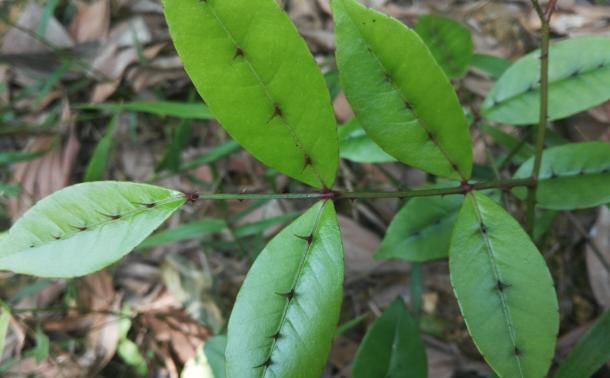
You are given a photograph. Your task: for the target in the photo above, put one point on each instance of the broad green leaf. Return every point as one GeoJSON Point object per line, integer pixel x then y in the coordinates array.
{"type": "Point", "coordinates": [5, 317]}
{"type": "Point", "coordinates": [421, 230]}
{"type": "Point", "coordinates": [590, 353]}
{"type": "Point", "coordinates": [392, 347]}
{"type": "Point", "coordinates": [399, 93]}
{"type": "Point", "coordinates": [256, 74]}
{"type": "Point", "coordinates": [572, 176]}
{"type": "Point", "coordinates": [197, 366]}
{"type": "Point", "coordinates": [161, 108]}
{"type": "Point", "coordinates": [84, 228]}
{"type": "Point", "coordinates": [214, 349]}
{"type": "Point", "coordinates": [493, 65]}
{"type": "Point", "coordinates": [97, 165]}
{"type": "Point", "coordinates": [185, 231]}
{"type": "Point", "coordinates": [579, 77]}
{"type": "Point", "coordinates": [504, 290]}
{"type": "Point", "coordinates": [356, 146]}
{"type": "Point", "coordinates": [287, 310]}
{"type": "Point", "coordinates": [449, 41]}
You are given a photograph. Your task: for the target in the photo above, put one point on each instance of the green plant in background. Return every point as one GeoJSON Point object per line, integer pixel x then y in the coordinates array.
{"type": "Point", "coordinates": [261, 83]}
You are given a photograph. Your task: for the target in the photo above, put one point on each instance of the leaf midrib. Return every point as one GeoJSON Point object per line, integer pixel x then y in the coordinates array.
{"type": "Point", "coordinates": [130, 214]}
{"type": "Point", "coordinates": [418, 119]}
{"type": "Point", "coordinates": [536, 90]}
{"type": "Point", "coordinates": [498, 278]}
{"type": "Point", "coordinates": [258, 78]}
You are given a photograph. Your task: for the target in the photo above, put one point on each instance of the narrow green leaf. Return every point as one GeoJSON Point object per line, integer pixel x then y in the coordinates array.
{"type": "Point", "coordinates": [130, 353]}
{"type": "Point", "coordinates": [161, 108]}
{"type": "Point", "coordinates": [399, 93]}
{"type": "Point", "coordinates": [356, 146]}
{"type": "Point", "coordinates": [421, 230]}
{"type": "Point", "coordinates": [572, 176]}
{"type": "Point", "coordinates": [84, 228]}
{"type": "Point", "coordinates": [97, 165]}
{"type": "Point", "coordinates": [511, 143]}
{"type": "Point", "coordinates": [504, 290]}
{"type": "Point", "coordinates": [257, 227]}
{"type": "Point", "coordinates": [5, 317]}
{"type": "Point", "coordinates": [214, 154]}
{"type": "Point", "coordinates": [590, 353]}
{"type": "Point", "coordinates": [255, 72]}
{"type": "Point", "coordinates": [10, 157]}
{"type": "Point", "coordinates": [392, 347]}
{"type": "Point", "coordinates": [41, 352]}
{"type": "Point", "coordinates": [493, 65]}
{"type": "Point", "coordinates": [449, 41]}
{"type": "Point", "coordinates": [9, 190]}
{"type": "Point", "coordinates": [287, 310]}
{"type": "Point", "coordinates": [179, 138]}
{"type": "Point", "coordinates": [579, 75]}
{"type": "Point", "coordinates": [183, 232]}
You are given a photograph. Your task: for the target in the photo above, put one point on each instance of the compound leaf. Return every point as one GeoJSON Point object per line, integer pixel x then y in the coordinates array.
{"type": "Point", "coordinates": [399, 93]}
{"type": "Point", "coordinates": [258, 78]}
{"type": "Point", "coordinates": [287, 309]}
{"type": "Point", "coordinates": [579, 78]}
{"type": "Point", "coordinates": [392, 347]}
{"type": "Point", "coordinates": [84, 228]}
{"type": "Point", "coordinates": [449, 42]}
{"type": "Point", "coordinates": [504, 290]}
{"type": "Point", "coordinates": [590, 353]}
{"type": "Point", "coordinates": [572, 176]}
{"type": "Point", "coordinates": [421, 230]}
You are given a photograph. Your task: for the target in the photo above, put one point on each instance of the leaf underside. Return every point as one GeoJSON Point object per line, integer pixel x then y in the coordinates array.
{"type": "Point", "coordinates": [287, 310]}
{"type": "Point", "coordinates": [392, 347]}
{"type": "Point", "coordinates": [504, 290]}
{"type": "Point", "coordinates": [579, 78]}
{"type": "Point", "coordinates": [572, 176]}
{"type": "Point", "coordinates": [256, 74]}
{"type": "Point", "coordinates": [399, 93]}
{"type": "Point", "coordinates": [421, 230]}
{"type": "Point", "coordinates": [84, 228]}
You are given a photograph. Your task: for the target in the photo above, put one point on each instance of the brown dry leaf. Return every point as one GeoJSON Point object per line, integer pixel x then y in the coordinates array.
{"type": "Point", "coordinates": [601, 113]}
{"type": "Point", "coordinates": [343, 110]}
{"type": "Point", "coordinates": [41, 177]}
{"type": "Point", "coordinates": [599, 278]}
{"type": "Point", "coordinates": [98, 296]}
{"type": "Point", "coordinates": [16, 41]}
{"type": "Point", "coordinates": [91, 22]}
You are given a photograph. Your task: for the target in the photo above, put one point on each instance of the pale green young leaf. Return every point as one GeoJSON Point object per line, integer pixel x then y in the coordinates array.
{"type": "Point", "coordinates": [449, 41]}
{"type": "Point", "coordinates": [97, 165]}
{"type": "Point", "coordinates": [572, 176]}
{"type": "Point", "coordinates": [256, 74]}
{"type": "Point", "coordinates": [579, 78]}
{"type": "Point", "coordinates": [504, 290]}
{"type": "Point", "coordinates": [421, 230]}
{"type": "Point", "coordinates": [590, 353]}
{"type": "Point", "coordinates": [86, 227]}
{"type": "Point", "coordinates": [5, 317]}
{"type": "Point", "coordinates": [356, 146]}
{"type": "Point", "coordinates": [287, 310]}
{"type": "Point", "coordinates": [392, 347]}
{"type": "Point", "coordinates": [399, 93]}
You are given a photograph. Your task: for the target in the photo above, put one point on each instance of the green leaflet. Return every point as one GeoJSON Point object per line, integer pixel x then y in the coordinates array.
{"type": "Point", "coordinates": [492, 65]}
{"type": "Point", "coordinates": [84, 228]}
{"type": "Point", "coordinates": [399, 93]}
{"type": "Point", "coordinates": [579, 77]}
{"type": "Point", "coordinates": [504, 290]}
{"type": "Point", "coordinates": [421, 230]}
{"type": "Point", "coordinates": [392, 347]}
{"type": "Point", "coordinates": [449, 42]}
{"type": "Point", "coordinates": [255, 72]}
{"type": "Point", "coordinates": [183, 110]}
{"type": "Point", "coordinates": [97, 165]}
{"type": "Point", "coordinates": [590, 353]}
{"type": "Point", "coordinates": [287, 309]}
{"type": "Point", "coordinates": [356, 146]}
{"type": "Point", "coordinates": [572, 176]}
